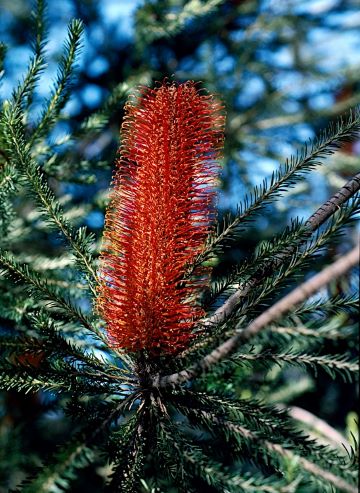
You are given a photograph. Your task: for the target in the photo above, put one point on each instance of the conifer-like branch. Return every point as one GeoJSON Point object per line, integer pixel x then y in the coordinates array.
{"type": "Point", "coordinates": [255, 423]}
{"type": "Point", "coordinates": [185, 460]}
{"type": "Point", "coordinates": [320, 426]}
{"type": "Point", "coordinates": [61, 91]}
{"type": "Point", "coordinates": [263, 420]}
{"type": "Point", "coordinates": [171, 24]}
{"type": "Point", "coordinates": [39, 27]}
{"type": "Point", "coordinates": [298, 295]}
{"type": "Point", "coordinates": [332, 364]}
{"type": "Point", "coordinates": [320, 334]}
{"type": "Point", "coordinates": [314, 222]}
{"type": "Point", "coordinates": [19, 151]}
{"type": "Point", "coordinates": [328, 142]}
{"type": "Point", "coordinates": [41, 288]}
{"type": "Point", "coordinates": [305, 464]}
{"type": "Point", "coordinates": [302, 293]}
{"type": "Point", "coordinates": [22, 96]}
{"type": "Point", "coordinates": [329, 305]}
{"type": "Point", "coordinates": [129, 457]}
{"type": "Point", "coordinates": [75, 455]}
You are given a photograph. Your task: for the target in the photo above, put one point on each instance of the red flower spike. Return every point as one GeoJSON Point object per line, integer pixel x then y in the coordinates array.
{"type": "Point", "coordinates": [159, 217]}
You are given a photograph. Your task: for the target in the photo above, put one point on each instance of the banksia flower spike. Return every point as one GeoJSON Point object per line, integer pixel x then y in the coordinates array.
{"type": "Point", "coordinates": [160, 214]}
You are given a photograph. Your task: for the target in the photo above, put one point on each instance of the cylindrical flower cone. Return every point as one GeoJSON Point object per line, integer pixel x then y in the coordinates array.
{"type": "Point", "coordinates": [160, 214]}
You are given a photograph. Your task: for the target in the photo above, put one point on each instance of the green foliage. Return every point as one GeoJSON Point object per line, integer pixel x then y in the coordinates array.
{"type": "Point", "coordinates": [62, 86]}
{"type": "Point", "coordinates": [219, 432]}
{"type": "Point", "coordinates": [283, 179]}
{"type": "Point", "coordinates": [330, 363]}
{"type": "Point", "coordinates": [128, 455]}
{"type": "Point", "coordinates": [171, 20]}
{"type": "Point", "coordinates": [55, 477]}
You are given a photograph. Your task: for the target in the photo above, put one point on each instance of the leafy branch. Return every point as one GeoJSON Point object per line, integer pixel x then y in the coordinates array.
{"type": "Point", "coordinates": [316, 220]}
{"type": "Point", "coordinates": [327, 143]}
{"type": "Point", "coordinates": [61, 92]}
{"type": "Point", "coordinates": [338, 364]}
{"type": "Point", "coordinates": [19, 151]}
{"type": "Point", "coordinates": [305, 464]}
{"type": "Point", "coordinates": [298, 295]}
{"type": "Point", "coordinates": [44, 292]}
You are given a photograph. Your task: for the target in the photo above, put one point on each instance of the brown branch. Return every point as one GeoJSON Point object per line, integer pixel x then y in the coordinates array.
{"type": "Point", "coordinates": [313, 469]}
{"type": "Point", "coordinates": [320, 426]}
{"type": "Point", "coordinates": [323, 213]}
{"type": "Point", "coordinates": [308, 466]}
{"type": "Point", "coordinates": [332, 205]}
{"type": "Point", "coordinates": [302, 292]}
{"type": "Point", "coordinates": [298, 295]}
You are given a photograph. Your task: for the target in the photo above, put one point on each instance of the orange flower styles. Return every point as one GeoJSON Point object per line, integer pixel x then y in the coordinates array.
{"type": "Point", "coordinates": [160, 214]}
